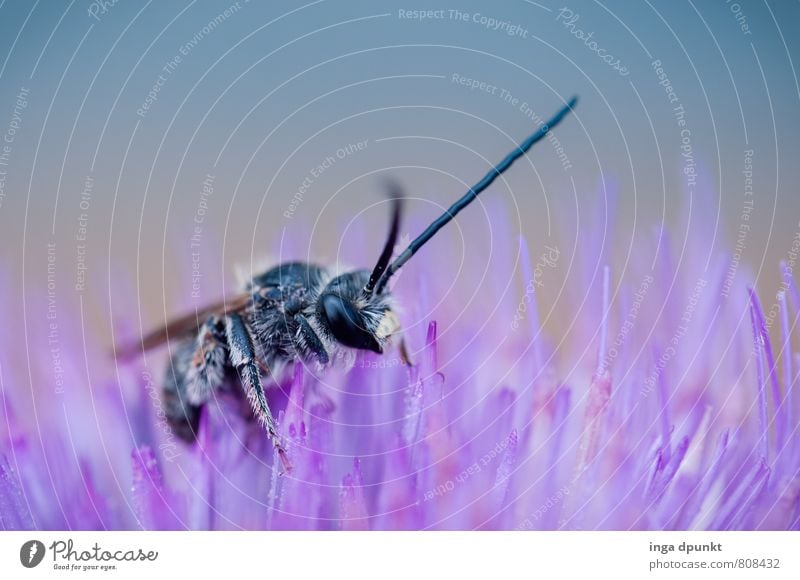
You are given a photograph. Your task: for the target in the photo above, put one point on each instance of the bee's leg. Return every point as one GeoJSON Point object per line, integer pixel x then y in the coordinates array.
{"type": "Point", "coordinates": [243, 358]}
{"type": "Point", "coordinates": [206, 369]}
{"type": "Point", "coordinates": [310, 339]}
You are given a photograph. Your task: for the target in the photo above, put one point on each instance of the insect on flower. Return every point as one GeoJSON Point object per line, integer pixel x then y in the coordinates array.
{"type": "Point", "coordinates": [294, 311]}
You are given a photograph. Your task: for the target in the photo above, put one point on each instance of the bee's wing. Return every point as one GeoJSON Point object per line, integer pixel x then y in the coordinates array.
{"type": "Point", "coordinates": [180, 327]}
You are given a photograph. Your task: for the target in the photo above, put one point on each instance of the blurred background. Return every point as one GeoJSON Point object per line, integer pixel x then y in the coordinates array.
{"type": "Point", "coordinates": [151, 150]}
{"type": "Point", "coordinates": [153, 154]}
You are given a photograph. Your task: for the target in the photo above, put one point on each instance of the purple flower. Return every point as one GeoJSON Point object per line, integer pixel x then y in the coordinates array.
{"type": "Point", "coordinates": [664, 400]}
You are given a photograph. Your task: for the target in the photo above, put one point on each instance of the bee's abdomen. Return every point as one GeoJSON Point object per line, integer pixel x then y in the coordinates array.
{"type": "Point", "coordinates": [182, 417]}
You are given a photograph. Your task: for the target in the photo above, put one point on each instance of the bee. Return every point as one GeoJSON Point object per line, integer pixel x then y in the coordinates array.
{"type": "Point", "coordinates": [294, 312]}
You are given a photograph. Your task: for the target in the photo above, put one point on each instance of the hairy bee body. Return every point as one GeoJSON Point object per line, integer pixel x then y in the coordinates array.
{"type": "Point", "coordinates": [283, 321]}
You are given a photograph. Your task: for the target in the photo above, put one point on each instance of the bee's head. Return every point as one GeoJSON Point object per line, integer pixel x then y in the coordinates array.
{"type": "Point", "coordinates": [353, 318]}
{"type": "Point", "coordinates": [350, 309]}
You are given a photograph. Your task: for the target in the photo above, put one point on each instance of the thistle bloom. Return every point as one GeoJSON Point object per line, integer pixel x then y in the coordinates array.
{"type": "Point", "coordinates": [664, 400]}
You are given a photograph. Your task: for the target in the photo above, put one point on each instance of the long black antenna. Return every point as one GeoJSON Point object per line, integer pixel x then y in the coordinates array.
{"type": "Point", "coordinates": [386, 255]}
{"type": "Point", "coordinates": [473, 192]}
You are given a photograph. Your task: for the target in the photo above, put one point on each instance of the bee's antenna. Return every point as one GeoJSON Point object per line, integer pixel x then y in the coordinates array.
{"type": "Point", "coordinates": [470, 196]}
{"type": "Point", "coordinates": [388, 248]}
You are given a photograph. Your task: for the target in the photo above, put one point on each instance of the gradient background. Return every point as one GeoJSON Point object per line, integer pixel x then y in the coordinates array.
{"type": "Point", "coordinates": [273, 90]}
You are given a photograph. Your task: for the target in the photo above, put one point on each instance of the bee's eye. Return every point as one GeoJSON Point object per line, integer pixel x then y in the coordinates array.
{"type": "Point", "coordinates": [346, 324]}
